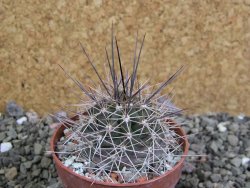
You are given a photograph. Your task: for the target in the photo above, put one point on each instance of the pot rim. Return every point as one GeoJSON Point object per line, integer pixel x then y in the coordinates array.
{"type": "Point", "coordinates": [59, 162]}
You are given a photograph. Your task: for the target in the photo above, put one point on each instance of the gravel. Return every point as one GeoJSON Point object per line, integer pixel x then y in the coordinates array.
{"type": "Point", "coordinates": [24, 138]}
{"type": "Point", "coordinates": [233, 140]}
{"type": "Point", "coordinates": [219, 152]}
{"type": "Point", "coordinates": [224, 143]}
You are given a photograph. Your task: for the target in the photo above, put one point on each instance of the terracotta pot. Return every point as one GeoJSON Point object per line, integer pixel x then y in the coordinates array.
{"type": "Point", "coordinates": [72, 180]}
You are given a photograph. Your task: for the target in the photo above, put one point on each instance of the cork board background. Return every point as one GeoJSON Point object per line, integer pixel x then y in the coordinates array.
{"type": "Point", "coordinates": [212, 37]}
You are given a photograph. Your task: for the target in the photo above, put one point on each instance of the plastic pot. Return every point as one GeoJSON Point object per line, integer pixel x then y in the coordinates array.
{"type": "Point", "coordinates": [72, 180]}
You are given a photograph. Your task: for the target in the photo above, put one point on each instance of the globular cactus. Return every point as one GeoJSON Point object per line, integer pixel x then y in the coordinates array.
{"type": "Point", "coordinates": [124, 127]}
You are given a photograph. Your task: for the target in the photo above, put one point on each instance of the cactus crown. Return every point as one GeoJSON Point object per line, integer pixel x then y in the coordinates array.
{"type": "Point", "coordinates": [122, 128]}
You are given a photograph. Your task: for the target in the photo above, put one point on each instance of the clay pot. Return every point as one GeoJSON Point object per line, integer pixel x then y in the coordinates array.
{"type": "Point", "coordinates": [72, 180]}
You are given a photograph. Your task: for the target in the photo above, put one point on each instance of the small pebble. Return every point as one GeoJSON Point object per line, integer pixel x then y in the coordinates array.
{"type": "Point", "coordinates": [241, 116]}
{"type": "Point", "coordinates": [77, 165]}
{"type": "Point", "coordinates": [1, 171]}
{"type": "Point", "coordinates": [11, 173]}
{"type": "Point", "coordinates": [2, 136]}
{"type": "Point", "coordinates": [5, 146]}
{"type": "Point", "coordinates": [45, 162]}
{"type": "Point", "coordinates": [12, 133]}
{"type": "Point", "coordinates": [32, 117]}
{"type": "Point", "coordinates": [36, 159]}
{"type": "Point", "coordinates": [168, 167]}
{"type": "Point", "coordinates": [245, 161]}
{"type": "Point", "coordinates": [233, 140]}
{"type": "Point", "coordinates": [215, 177]}
{"type": "Point", "coordinates": [221, 126]}
{"type": "Point", "coordinates": [236, 162]}
{"type": "Point", "coordinates": [214, 147]}
{"type": "Point", "coordinates": [38, 148]}
{"type": "Point", "coordinates": [36, 172]}
{"type": "Point", "coordinates": [69, 161]}
{"type": "Point", "coordinates": [21, 120]}
{"type": "Point", "coordinates": [27, 164]}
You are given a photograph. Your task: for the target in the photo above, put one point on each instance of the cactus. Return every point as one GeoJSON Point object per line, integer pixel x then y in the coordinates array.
{"type": "Point", "coordinates": [125, 127]}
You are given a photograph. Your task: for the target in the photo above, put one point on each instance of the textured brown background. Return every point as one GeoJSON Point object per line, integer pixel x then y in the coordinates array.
{"type": "Point", "coordinates": [213, 37]}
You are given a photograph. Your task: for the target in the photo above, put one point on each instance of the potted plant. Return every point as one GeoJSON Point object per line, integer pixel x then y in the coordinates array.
{"type": "Point", "coordinates": [124, 135]}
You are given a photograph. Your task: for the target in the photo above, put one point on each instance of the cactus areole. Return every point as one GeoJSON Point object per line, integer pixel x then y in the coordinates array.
{"type": "Point", "coordinates": [124, 135]}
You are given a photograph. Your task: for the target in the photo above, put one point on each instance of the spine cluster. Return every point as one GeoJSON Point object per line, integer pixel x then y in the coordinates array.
{"type": "Point", "coordinates": [124, 128]}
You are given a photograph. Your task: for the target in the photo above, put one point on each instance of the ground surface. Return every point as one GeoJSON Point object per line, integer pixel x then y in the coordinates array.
{"type": "Point", "coordinates": [223, 141]}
